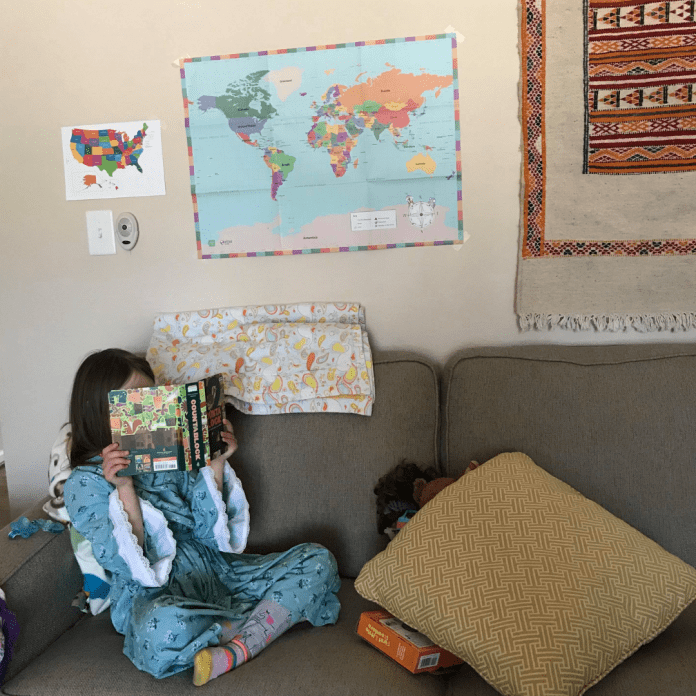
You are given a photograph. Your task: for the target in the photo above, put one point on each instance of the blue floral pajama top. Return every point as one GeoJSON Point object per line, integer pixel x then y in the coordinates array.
{"type": "Point", "coordinates": [168, 598]}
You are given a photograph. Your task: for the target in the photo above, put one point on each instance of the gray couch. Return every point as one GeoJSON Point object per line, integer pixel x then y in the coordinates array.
{"type": "Point", "coordinates": [617, 423]}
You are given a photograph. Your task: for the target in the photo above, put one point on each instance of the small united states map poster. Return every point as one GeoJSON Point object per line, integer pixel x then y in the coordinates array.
{"type": "Point", "coordinates": [113, 160]}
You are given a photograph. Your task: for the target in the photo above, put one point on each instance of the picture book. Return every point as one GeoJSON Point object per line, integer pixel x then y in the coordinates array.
{"type": "Point", "coordinates": [170, 427]}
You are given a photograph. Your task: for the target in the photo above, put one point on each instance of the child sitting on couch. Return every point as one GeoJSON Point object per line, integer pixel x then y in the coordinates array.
{"type": "Point", "coordinates": [183, 592]}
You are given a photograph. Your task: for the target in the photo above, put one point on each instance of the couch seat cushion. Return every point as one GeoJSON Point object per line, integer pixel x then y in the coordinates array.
{"type": "Point", "coordinates": [538, 588]}
{"type": "Point", "coordinates": [306, 661]}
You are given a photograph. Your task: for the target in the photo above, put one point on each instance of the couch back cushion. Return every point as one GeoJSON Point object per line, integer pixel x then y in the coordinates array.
{"type": "Point", "coordinates": [310, 477]}
{"type": "Point", "coordinates": [617, 423]}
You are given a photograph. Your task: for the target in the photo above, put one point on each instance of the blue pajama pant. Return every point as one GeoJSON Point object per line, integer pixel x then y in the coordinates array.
{"type": "Point", "coordinates": [170, 625]}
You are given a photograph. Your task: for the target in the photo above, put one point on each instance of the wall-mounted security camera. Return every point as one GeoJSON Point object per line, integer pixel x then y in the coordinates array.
{"type": "Point", "coordinates": [127, 230]}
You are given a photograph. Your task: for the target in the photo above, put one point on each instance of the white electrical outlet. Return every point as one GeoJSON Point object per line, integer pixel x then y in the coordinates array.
{"type": "Point", "coordinates": [100, 232]}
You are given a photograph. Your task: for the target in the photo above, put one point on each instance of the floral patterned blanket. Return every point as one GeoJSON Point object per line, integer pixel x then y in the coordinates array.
{"type": "Point", "coordinates": [312, 357]}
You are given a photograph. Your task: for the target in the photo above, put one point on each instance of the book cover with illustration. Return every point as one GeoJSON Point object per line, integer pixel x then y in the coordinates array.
{"type": "Point", "coordinates": [169, 427]}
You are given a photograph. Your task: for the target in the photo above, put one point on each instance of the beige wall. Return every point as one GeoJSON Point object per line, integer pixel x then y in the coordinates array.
{"type": "Point", "coordinates": [72, 62]}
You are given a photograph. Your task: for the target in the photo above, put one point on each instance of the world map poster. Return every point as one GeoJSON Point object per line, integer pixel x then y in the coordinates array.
{"type": "Point", "coordinates": [342, 147]}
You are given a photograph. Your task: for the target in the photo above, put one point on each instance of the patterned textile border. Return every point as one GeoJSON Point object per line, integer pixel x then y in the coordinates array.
{"type": "Point", "coordinates": [325, 250]}
{"type": "Point", "coordinates": [614, 255]}
{"type": "Point", "coordinates": [640, 62]}
{"type": "Point", "coordinates": [534, 241]}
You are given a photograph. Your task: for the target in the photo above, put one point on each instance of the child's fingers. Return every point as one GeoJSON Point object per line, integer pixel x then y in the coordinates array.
{"type": "Point", "coordinates": [116, 463]}
{"type": "Point", "coordinates": [117, 457]}
{"type": "Point", "coordinates": [111, 467]}
{"type": "Point", "coordinates": [114, 460]}
{"type": "Point", "coordinates": [113, 450]}
{"type": "Point", "coordinates": [231, 443]}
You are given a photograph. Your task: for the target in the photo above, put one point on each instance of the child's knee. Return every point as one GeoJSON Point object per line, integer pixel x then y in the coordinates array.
{"type": "Point", "coordinates": [321, 564]}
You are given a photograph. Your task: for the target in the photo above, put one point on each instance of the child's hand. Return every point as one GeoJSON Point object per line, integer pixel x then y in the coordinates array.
{"type": "Point", "coordinates": [115, 460]}
{"type": "Point", "coordinates": [218, 464]}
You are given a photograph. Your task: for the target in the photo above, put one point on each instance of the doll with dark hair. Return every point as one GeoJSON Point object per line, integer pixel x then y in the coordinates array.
{"type": "Point", "coordinates": [404, 490]}
{"type": "Point", "coordinates": [395, 494]}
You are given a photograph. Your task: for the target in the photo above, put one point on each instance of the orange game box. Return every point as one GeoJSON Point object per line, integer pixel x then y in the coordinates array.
{"type": "Point", "coordinates": [412, 650]}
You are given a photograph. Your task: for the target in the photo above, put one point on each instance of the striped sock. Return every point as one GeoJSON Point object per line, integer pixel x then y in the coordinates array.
{"type": "Point", "coordinates": [212, 662]}
{"type": "Point", "coordinates": [267, 622]}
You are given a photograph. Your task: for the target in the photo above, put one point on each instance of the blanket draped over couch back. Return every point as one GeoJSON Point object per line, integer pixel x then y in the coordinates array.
{"type": "Point", "coordinates": [297, 358]}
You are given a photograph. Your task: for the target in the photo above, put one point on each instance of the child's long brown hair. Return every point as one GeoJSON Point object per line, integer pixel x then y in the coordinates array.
{"type": "Point", "coordinates": [89, 407]}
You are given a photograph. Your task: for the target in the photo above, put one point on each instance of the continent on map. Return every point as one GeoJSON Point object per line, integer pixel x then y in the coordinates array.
{"type": "Point", "coordinates": [107, 149]}
{"type": "Point", "coordinates": [246, 104]}
{"type": "Point", "coordinates": [387, 102]}
{"type": "Point", "coordinates": [335, 131]}
{"type": "Point", "coordinates": [280, 165]}
{"type": "Point", "coordinates": [423, 162]}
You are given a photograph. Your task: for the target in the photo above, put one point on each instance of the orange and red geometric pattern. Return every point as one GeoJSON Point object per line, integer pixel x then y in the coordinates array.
{"type": "Point", "coordinates": [665, 131]}
{"type": "Point", "coordinates": [640, 74]}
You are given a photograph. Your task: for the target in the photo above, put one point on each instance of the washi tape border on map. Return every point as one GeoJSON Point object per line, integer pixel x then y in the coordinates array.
{"type": "Point", "coordinates": [328, 47]}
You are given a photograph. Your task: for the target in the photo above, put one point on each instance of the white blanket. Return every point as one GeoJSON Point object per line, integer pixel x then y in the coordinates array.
{"type": "Point", "coordinates": [311, 357]}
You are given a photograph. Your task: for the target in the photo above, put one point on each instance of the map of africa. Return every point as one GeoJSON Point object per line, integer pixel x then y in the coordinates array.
{"type": "Point", "coordinates": [329, 148]}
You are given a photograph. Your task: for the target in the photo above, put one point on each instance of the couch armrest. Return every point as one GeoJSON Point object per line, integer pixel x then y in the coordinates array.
{"type": "Point", "coordinates": [40, 578]}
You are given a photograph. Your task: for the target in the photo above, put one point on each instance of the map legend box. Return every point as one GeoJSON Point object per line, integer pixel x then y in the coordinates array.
{"type": "Point", "coordinates": [379, 220]}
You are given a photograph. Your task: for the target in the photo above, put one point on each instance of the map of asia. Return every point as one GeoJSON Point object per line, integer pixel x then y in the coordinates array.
{"type": "Point", "coordinates": [326, 148]}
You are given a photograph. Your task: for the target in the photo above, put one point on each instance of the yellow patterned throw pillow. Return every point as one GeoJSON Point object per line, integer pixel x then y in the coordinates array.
{"type": "Point", "coordinates": [540, 590]}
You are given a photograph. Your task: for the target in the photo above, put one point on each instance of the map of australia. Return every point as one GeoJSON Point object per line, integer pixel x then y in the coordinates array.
{"type": "Point", "coordinates": [345, 137]}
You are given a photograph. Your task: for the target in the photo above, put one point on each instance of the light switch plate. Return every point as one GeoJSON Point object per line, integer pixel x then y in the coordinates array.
{"type": "Point", "coordinates": [100, 232]}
